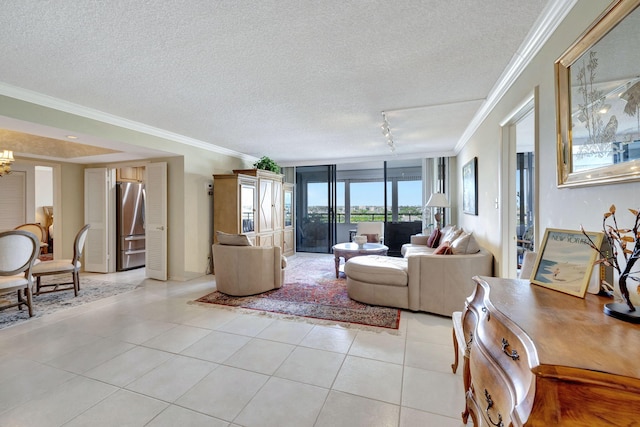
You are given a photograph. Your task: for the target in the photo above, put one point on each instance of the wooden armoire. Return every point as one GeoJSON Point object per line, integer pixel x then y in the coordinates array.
{"type": "Point", "coordinates": [250, 201]}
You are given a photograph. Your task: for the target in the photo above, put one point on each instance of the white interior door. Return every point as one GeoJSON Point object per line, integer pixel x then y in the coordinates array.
{"type": "Point", "coordinates": [96, 214]}
{"type": "Point", "coordinates": [156, 221]}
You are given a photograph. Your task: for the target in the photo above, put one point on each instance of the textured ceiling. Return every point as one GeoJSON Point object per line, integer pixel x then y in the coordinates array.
{"type": "Point", "coordinates": [42, 146]}
{"type": "Point", "coordinates": [299, 81]}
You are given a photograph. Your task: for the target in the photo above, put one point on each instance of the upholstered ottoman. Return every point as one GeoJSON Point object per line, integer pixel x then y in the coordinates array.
{"type": "Point", "coordinates": [378, 280]}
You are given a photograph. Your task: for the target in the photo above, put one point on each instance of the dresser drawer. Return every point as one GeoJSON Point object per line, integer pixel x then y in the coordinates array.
{"type": "Point", "coordinates": [507, 347]}
{"type": "Point", "coordinates": [491, 393]}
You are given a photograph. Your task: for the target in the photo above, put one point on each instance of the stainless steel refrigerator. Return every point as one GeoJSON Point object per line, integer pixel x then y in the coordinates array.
{"type": "Point", "coordinates": [130, 198]}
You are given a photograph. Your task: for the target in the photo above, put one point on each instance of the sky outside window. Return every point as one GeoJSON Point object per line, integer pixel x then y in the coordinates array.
{"type": "Point", "coordinates": [366, 193]}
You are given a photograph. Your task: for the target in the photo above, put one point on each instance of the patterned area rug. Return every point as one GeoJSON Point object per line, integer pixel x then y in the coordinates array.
{"type": "Point", "coordinates": [91, 289]}
{"type": "Point", "coordinates": [311, 290]}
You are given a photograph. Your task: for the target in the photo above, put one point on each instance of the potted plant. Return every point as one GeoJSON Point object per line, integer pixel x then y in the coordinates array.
{"type": "Point", "coordinates": [624, 244]}
{"type": "Point", "coordinates": [265, 163]}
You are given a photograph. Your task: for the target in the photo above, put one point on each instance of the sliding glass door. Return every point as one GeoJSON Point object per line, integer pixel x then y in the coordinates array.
{"type": "Point", "coordinates": [331, 201]}
{"type": "Point", "coordinates": [318, 200]}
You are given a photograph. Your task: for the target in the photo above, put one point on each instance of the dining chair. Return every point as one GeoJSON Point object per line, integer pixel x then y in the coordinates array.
{"type": "Point", "coordinates": [18, 251]}
{"type": "Point", "coordinates": [36, 229]}
{"type": "Point", "coordinates": [62, 266]}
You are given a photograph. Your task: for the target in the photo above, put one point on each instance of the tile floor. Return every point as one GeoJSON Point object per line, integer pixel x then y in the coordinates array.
{"type": "Point", "coordinates": [149, 358]}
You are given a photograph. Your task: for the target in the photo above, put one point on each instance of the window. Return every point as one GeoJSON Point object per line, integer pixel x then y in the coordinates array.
{"type": "Point", "coordinates": [366, 201]}
{"type": "Point", "coordinates": [317, 196]}
{"type": "Point", "coordinates": [409, 201]}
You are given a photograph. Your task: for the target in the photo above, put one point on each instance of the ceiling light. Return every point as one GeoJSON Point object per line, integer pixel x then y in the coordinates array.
{"type": "Point", "coordinates": [386, 131]}
{"type": "Point", "coordinates": [72, 137]}
{"type": "Point", "coordinates": [6, 158]}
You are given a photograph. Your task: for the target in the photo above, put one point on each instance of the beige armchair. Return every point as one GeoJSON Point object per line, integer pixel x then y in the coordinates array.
{"type": "Point", "coordinates": [248, 270]}
{"type": "Point", "coordinates": [371, 229]}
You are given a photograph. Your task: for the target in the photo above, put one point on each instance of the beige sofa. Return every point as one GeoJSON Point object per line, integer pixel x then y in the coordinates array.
{"type": "Point", "coordinates": [248, 270]}
{"type": "Point", "coordinates": [421, 281]}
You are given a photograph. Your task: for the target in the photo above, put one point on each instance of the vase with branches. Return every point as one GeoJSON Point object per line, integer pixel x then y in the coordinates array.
{"type": "Point", "coordinates": [623, 253]}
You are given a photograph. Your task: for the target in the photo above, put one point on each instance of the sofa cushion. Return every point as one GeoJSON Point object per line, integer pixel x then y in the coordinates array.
{"type": "Point", "coordinates": [434, 238]}
{"type": "Point", "coordinates": [233, 239]}
{"type": "Point", "coordinates": [465, 244]}
{"type": "Point", "coordinates": [378, 269]}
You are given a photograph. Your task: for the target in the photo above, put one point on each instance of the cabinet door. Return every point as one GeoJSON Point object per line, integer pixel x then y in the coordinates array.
{"type": "Point", "coordinates": [278, 220]}
{"type": "Point", "coordinates": [288, 206]}
{"type": "Point", "coordinates": [266, 205]}
{"type": "Point", "coordinates": [278, 240]}
{"type": "Point", "coordinates": [265, 240]}
{"type": "Point", "coordinates": [288, 242]}
{"type": "Point", "coordinates": [247, 206]}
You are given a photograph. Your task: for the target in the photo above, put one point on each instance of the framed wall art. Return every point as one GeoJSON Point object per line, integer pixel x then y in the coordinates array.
{"type": "Point", "coordinates": [598, 101]}
{"type": "Point", "coordinates": [565, 261]}
{"type": "Point", "coordinates": [470, 187]}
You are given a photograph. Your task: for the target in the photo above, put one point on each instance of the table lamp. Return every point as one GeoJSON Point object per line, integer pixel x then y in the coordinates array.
{"type": "Point", "coordinates": [437, 200]}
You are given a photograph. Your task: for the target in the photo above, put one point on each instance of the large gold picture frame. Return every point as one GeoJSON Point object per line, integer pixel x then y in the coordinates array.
{"type": "Point", "coordinates": [598, 101]}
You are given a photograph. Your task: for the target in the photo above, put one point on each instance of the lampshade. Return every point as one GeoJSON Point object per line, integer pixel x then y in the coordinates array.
{"type": "Point", "coordinates": [437, 200]}
{"type": "Point", "coordinates": [6, 156]}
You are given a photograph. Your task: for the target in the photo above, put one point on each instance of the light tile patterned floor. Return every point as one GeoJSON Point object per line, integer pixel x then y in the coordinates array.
{"type": "Point", "coordinates": [150, 358]}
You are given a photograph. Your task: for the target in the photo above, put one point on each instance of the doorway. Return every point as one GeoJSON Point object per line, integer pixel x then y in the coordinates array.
{"type": "Point", "coordinates": [518, 187]}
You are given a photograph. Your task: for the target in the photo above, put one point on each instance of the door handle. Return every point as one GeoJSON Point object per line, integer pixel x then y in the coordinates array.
{"type": "Point", "coordinates": [161, 228]}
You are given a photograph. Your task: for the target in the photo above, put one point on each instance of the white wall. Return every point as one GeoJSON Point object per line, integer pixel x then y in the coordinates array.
{"type": "Point", "coordinates": [557, 208]}
{"type": "Point", "coordinates": [43, 192]}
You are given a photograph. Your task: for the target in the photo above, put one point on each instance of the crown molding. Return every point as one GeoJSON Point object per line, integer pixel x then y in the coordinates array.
{"type": "Point", "coordinates": [551, 17]}
{"type": "Point", "coordinates": [90, 113]}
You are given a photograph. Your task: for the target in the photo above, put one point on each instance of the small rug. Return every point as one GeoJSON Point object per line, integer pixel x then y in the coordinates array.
{"type": "Point", "coordinates": [312, 291]}
{"type": "Point", "coordinates": [91, 289]}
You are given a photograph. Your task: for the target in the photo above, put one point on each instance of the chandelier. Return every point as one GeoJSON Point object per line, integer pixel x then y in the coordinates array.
{"type": "Point", "coordinates": [386, 131]}
{"type": "Point", "coordinates": [6, 158]}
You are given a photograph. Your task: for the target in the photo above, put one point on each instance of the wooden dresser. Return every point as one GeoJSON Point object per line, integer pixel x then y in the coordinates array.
{"type": "Point", "coordinates": [538, 357]}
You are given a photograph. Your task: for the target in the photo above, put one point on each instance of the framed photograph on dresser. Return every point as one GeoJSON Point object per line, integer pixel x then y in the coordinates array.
{"type": "Point", "coordinates": [565, 261]}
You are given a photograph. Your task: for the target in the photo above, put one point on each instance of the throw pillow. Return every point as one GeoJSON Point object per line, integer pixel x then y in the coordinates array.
{"type": "Point", "coordinates": [446, 229]}
{"type": "Point", "coordinates": [233, 239]}
{"type": "Point", "coordinates": [443, 249]}
{"type": "Point", "coordinates": [372, 238]}
{"type": "Point", "coordinates": [434, 239]}
{"type": "Point", "coordinates": [465, 244]}
{"type": "Point", "coordinates": [452, 233]}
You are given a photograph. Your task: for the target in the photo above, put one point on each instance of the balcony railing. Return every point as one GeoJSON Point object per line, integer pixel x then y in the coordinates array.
{"type": "Point", "coordinates": [362, 217]}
